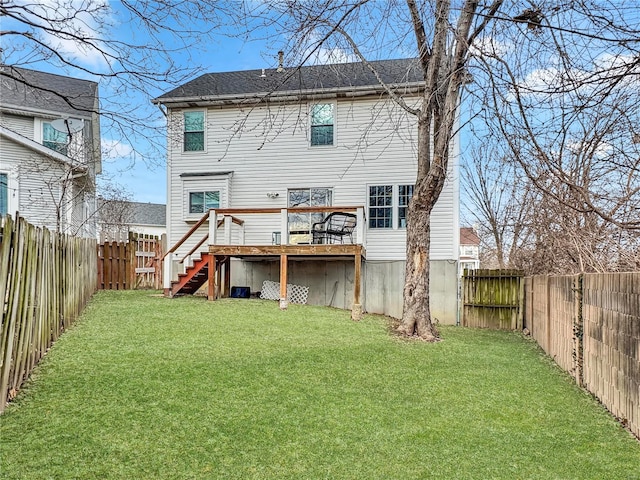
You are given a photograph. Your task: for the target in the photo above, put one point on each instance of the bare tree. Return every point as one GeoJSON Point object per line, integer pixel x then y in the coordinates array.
{"type": "Point", "coordinates": [80, 38]}
{"type": "Point", "coordinates": [562, 86]}
{"type": "Point", "coordinates": [439, 35]}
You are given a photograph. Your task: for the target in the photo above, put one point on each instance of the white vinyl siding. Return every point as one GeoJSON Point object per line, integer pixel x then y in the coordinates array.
{"type": "Point", "coordinates": [20, 124]}
{"type": "Point", "coordinates": [272, 155]}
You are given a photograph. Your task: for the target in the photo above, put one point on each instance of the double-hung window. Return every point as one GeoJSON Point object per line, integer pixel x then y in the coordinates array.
{"type": "Point", "coordinates": [388, 205]}
{"type": "Point", "coordinates": [194, 131]}
{"type": "Point", "coordinates": [53, 139]}
{"type": "Point", "coordinates": [322, 123]}
{"type": "Point", "coordinates": [201, 202]}
{"type": "Point", "coordinates": [4, 193]}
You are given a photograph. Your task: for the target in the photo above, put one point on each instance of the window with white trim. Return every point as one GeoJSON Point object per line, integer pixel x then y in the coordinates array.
{"type": "Point", "coordinates": [405, 192]}
{"type": "Point", "coordinates": [54, 139]}
{"type": "Point", "coordinates": [4, 193]}
{"type": "Point", "coordinates": [300, 223]}
{"type": "Point", "coordinates": [201, 202]}
{"type": "Point", "coordinates": [193, 131]}
{"type": "Point", "coordinates": [388, 205]}
{"type": "Point", "coordinates": [322, 124]}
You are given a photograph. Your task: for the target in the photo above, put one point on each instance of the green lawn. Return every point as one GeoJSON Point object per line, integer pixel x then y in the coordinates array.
{"type": "Point", "coordinates": [146, 387]}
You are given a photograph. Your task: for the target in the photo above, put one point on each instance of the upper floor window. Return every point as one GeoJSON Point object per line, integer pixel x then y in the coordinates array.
{"type": "Point", "coordinates": [193, 131]}
{"type": "Point", "coordinates": [4, 193]}
{"type": "Point", "coordinates": [322, 121]}
{"type": "Point", "coordinates": [53, 139]}
{"type": "Point", "coordinates": [201, 202]}
{"type": "Point", "coordinates": [388, 205]}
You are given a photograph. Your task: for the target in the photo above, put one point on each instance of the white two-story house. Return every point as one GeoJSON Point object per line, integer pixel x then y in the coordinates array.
{"type": "Point", "coordinates": [49, 149]}
{"type": "Point", "coordinates": [275, 152]}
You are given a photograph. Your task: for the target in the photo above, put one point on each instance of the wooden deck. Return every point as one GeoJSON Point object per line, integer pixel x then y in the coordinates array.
{"type": "Point", "coordinates": [300, 250]}
{"type": "Point", "coordinates": [284, 252]}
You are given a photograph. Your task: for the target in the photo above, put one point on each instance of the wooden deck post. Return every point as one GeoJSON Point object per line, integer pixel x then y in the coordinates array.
{"type": "Point", "coordinates": [283, 282]}
{"type": "Point", "coordinates": [284, 226]}
{"type": "Point", "coordinates": [227, 277]}
{"type": "Point", "coordinates": [211, 286]}
{"type": "Point", "coordinates": [213, 226]}
{"type": "Point", "coordinates": [356, 309]}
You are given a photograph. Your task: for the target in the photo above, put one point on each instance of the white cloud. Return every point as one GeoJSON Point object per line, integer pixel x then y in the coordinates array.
{"type": "Point", "coordinates": [78, 24]}
{"type": "Point", "coordinates": [331, 55]}
{"type": "Point", "coordinates": [114, 150]}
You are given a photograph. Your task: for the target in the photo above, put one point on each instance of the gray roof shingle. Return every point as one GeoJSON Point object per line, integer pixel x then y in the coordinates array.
{"type": "Point", "coordinates": [41, 91]}
{"type": "Point", "coordinates": [251, 83]}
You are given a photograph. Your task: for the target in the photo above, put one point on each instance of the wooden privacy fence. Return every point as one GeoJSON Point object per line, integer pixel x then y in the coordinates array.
{"type": "Point", "coordinates": [492, 299]}
{"type": "Point", "coordinates": [45, 281]}
{"type": "Point", "coordinates": [590, 325]}
{"type": "Point", "coordinates": [135, 264]}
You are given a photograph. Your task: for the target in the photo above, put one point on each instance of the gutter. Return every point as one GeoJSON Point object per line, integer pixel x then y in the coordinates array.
{"type": "Point", "coordinates": [290, 95]}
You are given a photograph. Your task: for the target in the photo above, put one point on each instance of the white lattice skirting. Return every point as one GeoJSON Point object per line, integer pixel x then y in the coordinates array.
{"type": "Point", "coordinates": [295, 293]}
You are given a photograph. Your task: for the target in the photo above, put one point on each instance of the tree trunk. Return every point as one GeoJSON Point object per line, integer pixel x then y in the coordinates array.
{"type": "Point", "coordinates": [416, 318]}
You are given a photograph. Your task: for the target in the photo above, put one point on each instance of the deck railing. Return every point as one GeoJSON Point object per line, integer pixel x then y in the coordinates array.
{"type": "Point", "coordinates": [227, 218]}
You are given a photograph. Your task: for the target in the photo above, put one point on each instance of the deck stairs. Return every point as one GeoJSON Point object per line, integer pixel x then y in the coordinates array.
{"type": "Point", "coordinates": [194, 276]}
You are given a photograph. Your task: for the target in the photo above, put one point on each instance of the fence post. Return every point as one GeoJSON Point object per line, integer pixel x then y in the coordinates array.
{"type": "Point", "coordinates": [578, 329]}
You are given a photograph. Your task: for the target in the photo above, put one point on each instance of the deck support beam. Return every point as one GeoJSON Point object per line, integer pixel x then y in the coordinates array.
{"type": "Point", "coordinates": [356, 309]}
{"type": "Point", "coordinates": [227, 278]}
{"type": "Point", "coordinates": [283, 282]}
{"type": "Point", "coordinates": [211, 285]}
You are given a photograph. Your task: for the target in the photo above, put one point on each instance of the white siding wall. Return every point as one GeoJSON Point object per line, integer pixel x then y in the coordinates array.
{"type": "Point", "coordinates": [36, 180]}
{"type": "Point", "coordinates": [268, 151]}
{"type": "Point", "coordinates": [19, 124]}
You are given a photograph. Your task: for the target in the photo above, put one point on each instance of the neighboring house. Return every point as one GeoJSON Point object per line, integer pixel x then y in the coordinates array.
{"type": "Point", "coordinates": [117, 218]}
{"type": "Point", "coordinates": [49, 149]}
{"type": "Point", "coordinates": [275, 151]}
{"type": "Point", "coordinates": [469, 249]}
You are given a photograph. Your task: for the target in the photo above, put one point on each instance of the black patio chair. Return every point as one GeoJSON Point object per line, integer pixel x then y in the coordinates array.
{"type": "Point", "coordinates": [334, 228]}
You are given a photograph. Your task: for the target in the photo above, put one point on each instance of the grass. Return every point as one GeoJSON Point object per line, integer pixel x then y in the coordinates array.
{"type": "Point", "coordinates": [146, 387]}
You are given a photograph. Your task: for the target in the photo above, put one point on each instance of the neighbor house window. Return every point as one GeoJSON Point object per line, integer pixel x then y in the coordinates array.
{"type": "Point", "coordinates": [405, 192]}
{"type": "Point", "coordinates": [200, 202]}
{"type": "Point", "coordinates": [4, 193]}
{"type": "Point", "coordinates": [53, 139]}
{"type": "Point", "coordinates": [193, 131]}
{"type": "Point", "coordinates": [322, 124]}
{"type": "Point", "coordinates": [381, 206]}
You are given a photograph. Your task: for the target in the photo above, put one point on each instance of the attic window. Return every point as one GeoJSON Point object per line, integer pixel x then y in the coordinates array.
{"type": "Point", "coordinates": [322, 122]}
{"type": "Point", "coordinates": [193, 131]}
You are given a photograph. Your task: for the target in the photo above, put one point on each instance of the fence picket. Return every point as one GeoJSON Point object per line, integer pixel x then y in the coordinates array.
{"type": "Point", "coordinates": [46, 280]}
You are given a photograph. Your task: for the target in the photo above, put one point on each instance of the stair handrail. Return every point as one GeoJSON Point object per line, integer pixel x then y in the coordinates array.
{"type": "Point", "coordinates": [187, 235]}
{"type": "Point", "coordinates": [237, 221]}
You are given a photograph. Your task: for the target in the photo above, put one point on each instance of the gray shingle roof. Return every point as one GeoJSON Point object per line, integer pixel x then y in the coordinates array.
{"type": "Point", "coordinates": [251, 83]}
{"type": "Point", "coordinates": [149, 213]}
{"type": "Point", "coordinates": [40, 91]}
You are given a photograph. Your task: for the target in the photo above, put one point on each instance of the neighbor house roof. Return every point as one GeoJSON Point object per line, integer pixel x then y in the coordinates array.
{"type": "Point", "coordinates": [349, 78]}
{"type": "Point", "coordinates": [138, 213]}
{"type": "Point", "coordinates": [33, 91]}
{"type": "Point", "coordinates": [468, 236]}
{"type": "Point", "coordinates": [149, 213]}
